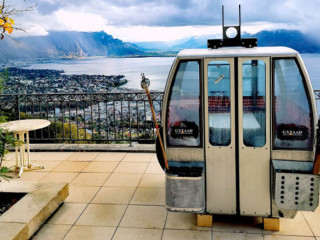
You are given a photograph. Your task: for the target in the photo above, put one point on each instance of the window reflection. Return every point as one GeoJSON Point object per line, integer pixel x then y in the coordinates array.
{"type": "Point", "coordinates": [219, 103]}
{"type": "Point", "coordinates": [183, 124]}
{"type": "Point", "coordinates": [292, 112]}
{"type": "Point", "coordinates": [254, 103]}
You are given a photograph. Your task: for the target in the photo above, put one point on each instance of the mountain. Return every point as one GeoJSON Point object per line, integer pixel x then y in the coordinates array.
{"type": "Point", "coordinates": [66, 44]}
{"type": "Point", "coordinates": [293, 39]}
{"type": "Point", "coordinates": [289, 38]}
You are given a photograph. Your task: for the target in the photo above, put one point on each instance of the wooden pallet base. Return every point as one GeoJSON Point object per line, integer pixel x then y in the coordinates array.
{"type": "Point", "coordinates": [204, 220]}
{"type": "Point", "coordinates": [271, 224]}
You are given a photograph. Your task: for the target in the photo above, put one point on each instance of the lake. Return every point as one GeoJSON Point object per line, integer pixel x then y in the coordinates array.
{"type": "Point", "coordinates": [155, 68]}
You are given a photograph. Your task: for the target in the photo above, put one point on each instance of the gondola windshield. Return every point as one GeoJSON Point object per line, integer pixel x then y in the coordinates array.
{"type": "Point", "coordinates": [183, 125]}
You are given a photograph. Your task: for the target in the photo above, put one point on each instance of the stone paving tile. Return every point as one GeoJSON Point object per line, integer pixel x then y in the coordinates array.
{"type": "Point", "coordinates": [131, 167]}
{"type": "Point", "coordinates": [114, 195]}
{"type": "Point", "coordinates": [154, 168]}
{"type": "Point", "coordinates": [10, 156]}
{"type": "Point", "coordinates": [52, 232]}
{"type": "Point", "coordinates": [313, 219]}
{"type": "Point", "coordinates": [110, 156]}
{"type": "Point", "coordinates": [149, 196]}
{"type": "Point", "coordinates": [237, 236]}
{"type": "Point", "coordinates": [90, 233]}
{"type": "Point", "coordinates": [153, 181]}
{"type": "Point", "coordinates": [67, 214]}
{"type": "Point", "coordinates": [102, 215]}
{"type": "Point", "coordinates": [101, 167]}
{"type": "Point", "coordinates": [297, 227]}
{"type": "Point", "coordinates": [138, 157]}
{"type": "Point", "coordinates": [282, 237]}
{"type": "Point", "coordinates": [81, 194]}
{"type": "Point", "coordinates": [137, 234]}
{"type": "Point", "coordinates": [154, 158]}
{"type": "Point", "coordinates": [68, 166]}
{"type": "Point", "coordinates": [59, 177]}
{"type": "Point", "coordinates": [144, 217]}
{"type": "Point", "coordinates": [237, 224]}
{"type": "Point", "coordinates": [123, 180]}
{"type": "Point", "coordinates": [9, 230]}
{"type": "Point", "coordinates": [47, 156]}
{"type": "Point", "coordinates": [48, 165]}
{"type": "Point", "coordinates": [188, 221]}
{"type": "Point", "coordinates": [140, 181]}
{"type": "Point", "coordinates": [83, 156]}
{"type": "Point", "coordinates": [186, 235]}
{"type": "Point", "coordinates": [90, 179]}
{"type": "Point", "coordinates": [9, 163]}
{"type": "Point", "coordinates": [29, 176]}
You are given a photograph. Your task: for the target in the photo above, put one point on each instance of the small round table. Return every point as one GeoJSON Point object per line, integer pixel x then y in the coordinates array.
{"type": "Point", "coordinates": [20, 129]}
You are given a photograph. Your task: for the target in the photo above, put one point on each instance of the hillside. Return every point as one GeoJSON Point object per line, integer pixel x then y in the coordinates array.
{"type": "Point", "coordinates": [91, 44]}
{"type": "Point", "coordinates": [66, 45]}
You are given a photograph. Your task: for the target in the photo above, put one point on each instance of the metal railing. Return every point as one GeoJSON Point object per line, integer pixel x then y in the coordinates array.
{"type": "Point", "coordinates": [87, 117]}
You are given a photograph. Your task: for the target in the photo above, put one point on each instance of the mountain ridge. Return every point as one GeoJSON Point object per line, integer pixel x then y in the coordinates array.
{"type": "Point", "coordinates": [289, 38]}
{"type": "Point", "coordinates": [69, 45]}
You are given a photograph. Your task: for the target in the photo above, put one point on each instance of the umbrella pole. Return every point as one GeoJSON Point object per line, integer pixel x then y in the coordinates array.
{"type": "Point", "coordinates": [144, 84]}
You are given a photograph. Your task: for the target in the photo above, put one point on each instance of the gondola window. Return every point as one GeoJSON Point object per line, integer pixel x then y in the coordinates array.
{"type": "Point", "coordinates": [219, 103]}
{"type": "Point", "coordinates": [254, 103]}
{"type": "Point", "coordinates": [292, 112]}
{"type": "Point", "coordinates": [183, 124]}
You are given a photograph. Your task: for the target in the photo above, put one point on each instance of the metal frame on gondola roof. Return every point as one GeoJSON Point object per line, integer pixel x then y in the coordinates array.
{"type": "Point", "coordinates": [238, 52]}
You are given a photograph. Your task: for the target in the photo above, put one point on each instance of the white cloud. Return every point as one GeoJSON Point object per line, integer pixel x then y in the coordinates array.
{"type": "Point", "coordinates": [78, 21]}
{"type": "Point", "coordinates": [167, 20]}
{"type": "Point", "coordinates": [149, 33]}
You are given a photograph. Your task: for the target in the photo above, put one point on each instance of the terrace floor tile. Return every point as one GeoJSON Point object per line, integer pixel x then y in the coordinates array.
{"type": "Point", "coordinates": [102, 215]}
{"type": "Point", "coordinates": [90, 179]}
{"type": "Point", "coordinates": [153, 181]}
{"type": "Point", "coordinates": [137, 234]}
{"type": "Point", "coordinates": [123, 180]}
{"type": "Point", "coordinates": [114, 195]}
{"type": "Point", "coordinates": [131, 167]}
{"type": "Point", "coordinates": [297, 226]}
{"type": "Point", "coordinates": [67, 166]}
{"type": "Point", "coordinates": [68, 213]}
{"type": "Point", "coordinates": [144, 217]}
{"type": "Point", "coordinates": [81, 194]}
{"type": "Point", "coordinates": [101, 167]}
{"type": "Point", "coordinates": [48, 156]}
{"type": "Point", "coordinates": [82, 156]}
{"type": "Point", "coordinates": [59, 177]}
{"type": "Point", "coordinates": [110, 157]}
{"type": "Point", "coordinates": [187, 235]}
{"type": "Point", "coordinates": [90, 233]}
{"type": "Point", "coordinates": [154, 167]}
{"type": "Point", "coordinates": [149, 196]}
{"type": "Point", "coordinates": [138, 157]}
{"type": "Point", "coordinates": [52, 232]}
{"type": "Point", "coordinates": [188, 221]}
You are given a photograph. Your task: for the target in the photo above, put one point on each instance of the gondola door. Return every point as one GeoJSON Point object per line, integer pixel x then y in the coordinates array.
{"type": "Point", "coordinates": [237, 93]}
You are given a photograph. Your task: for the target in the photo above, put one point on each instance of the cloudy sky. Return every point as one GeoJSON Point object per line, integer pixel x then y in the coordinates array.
{"type": "Point", "coordinates": [165, 20]}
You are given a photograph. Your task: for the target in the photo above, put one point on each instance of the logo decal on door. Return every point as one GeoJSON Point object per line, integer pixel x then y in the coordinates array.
{"type": "Point", "coordinates": [292, 132]}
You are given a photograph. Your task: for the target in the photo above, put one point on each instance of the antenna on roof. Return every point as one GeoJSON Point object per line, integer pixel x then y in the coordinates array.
{"type": "Point", "coordinates": [232, 36]}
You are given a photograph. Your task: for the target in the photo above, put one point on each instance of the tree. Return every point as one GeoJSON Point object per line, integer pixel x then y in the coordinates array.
{"type": "Point", "coordinates": [7, 23]}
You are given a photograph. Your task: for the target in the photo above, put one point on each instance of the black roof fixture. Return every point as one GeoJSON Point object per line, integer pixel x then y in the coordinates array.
{"type": "Point", "coordinates": [231, 40]}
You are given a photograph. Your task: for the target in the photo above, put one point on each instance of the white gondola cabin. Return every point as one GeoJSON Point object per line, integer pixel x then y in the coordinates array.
{"type": "Point", "coordinates": [239, 131]}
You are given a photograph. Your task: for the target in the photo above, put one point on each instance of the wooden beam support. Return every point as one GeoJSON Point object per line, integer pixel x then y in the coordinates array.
{"type": "Point", "coordinates": [271, 224]}
{"type": "Point", "coordinates": [204, 220]}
